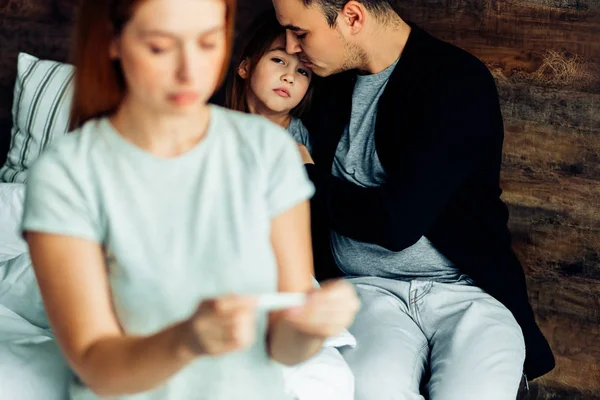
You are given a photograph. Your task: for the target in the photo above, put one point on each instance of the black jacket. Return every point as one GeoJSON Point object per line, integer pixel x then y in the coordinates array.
{"type": "Point", "coordinates": [439, 136]}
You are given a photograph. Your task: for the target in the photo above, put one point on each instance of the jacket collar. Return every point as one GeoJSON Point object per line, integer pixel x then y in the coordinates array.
{"type": "Point", "coordinates": [412, 59]}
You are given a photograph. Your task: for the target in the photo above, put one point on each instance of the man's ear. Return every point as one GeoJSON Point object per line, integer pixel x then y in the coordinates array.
{"type": "Point", "coordinates": [353, 15]}
{"type": "Point", "coordinates": [114, 50]}
{"type": "Point", "coordinates": [243, 69]}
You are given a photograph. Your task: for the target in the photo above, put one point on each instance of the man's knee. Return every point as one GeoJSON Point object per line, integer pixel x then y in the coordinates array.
{"type": "Point", "coordinates": [483, 357]}
{"type": "Point", "coordinates": [510, 350]}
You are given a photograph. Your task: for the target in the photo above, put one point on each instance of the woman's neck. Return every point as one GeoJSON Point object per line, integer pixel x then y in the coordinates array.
{"type": "Point", "coordinates": [257, 107]}
{"type": "Point", "coordinates": [166, 135]}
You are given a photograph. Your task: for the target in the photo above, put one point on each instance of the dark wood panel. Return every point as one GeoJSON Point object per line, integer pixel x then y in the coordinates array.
{"type": "Point", "coordinates": [510, 23]}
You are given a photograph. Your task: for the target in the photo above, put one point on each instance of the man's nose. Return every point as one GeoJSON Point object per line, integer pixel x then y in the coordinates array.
{"type": "Point", "coordinates": [292, 44]}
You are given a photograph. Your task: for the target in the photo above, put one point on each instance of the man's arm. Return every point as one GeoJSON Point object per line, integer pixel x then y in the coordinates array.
{"type": "Point", "coordinates": [464, 125]}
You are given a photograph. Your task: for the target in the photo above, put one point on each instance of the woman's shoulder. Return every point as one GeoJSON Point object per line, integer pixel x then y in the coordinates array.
{"type": "Point", "coordinates": [256, 141]}
{"type": "Point", "coordinates": [73, 150]}
{"type": "Point", "coordinates": [253, 130]}
{"type": "Point", "coordinates": [243, 120]}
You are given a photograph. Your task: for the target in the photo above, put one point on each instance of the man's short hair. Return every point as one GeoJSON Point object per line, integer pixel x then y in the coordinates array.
{"type": "Point", "coordinates": [331, 8]}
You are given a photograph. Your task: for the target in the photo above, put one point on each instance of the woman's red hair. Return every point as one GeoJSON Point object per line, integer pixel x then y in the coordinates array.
{"type": "Point", "coordinates": [99, 83]}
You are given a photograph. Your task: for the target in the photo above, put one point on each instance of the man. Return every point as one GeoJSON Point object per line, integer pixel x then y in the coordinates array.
{"type": "Point", "coordinates": [407, 143]}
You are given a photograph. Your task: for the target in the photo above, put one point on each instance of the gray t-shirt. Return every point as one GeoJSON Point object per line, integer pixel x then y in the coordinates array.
{"type": "Point", "coordinates": [300, 134]}
{"type": "Point", "coordinates": [356, 161]}
{"type": "Point", "coordinates": [176, 231]}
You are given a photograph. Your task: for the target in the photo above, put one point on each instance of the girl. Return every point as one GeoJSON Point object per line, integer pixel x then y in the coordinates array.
{"type": "Point", "coordinates": [269, 82]}
{"type": "Point", "coordinates": [154, 226]}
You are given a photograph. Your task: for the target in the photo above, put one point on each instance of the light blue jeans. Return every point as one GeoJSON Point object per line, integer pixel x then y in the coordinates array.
{"type": "Point", "coordinates": [468, 341]}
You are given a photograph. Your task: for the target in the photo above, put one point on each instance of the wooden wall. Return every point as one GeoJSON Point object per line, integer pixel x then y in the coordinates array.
{"type": "Point", "coordinates": [545, 55]}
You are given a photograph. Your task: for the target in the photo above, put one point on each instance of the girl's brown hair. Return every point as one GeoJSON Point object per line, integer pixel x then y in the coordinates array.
{"type": "Point", "coordinates": [259, 37]}
{"type": "Point", "coordinates": [99, 83]}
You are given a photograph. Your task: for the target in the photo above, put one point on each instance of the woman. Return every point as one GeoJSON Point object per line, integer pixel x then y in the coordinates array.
{"type": "Point", "coordinates": [154, 226]}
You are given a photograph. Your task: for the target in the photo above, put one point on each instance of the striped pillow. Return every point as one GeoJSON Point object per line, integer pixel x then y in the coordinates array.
{"type": "Point", "coordinates": [41, 107]}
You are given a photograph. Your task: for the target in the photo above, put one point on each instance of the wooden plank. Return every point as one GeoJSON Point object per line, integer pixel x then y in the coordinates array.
{"type": "Point", "coordinates": [528, 25]}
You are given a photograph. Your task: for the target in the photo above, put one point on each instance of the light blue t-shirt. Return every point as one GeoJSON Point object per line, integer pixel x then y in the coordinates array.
{"type": "Point", "coordinates": [177, 231]}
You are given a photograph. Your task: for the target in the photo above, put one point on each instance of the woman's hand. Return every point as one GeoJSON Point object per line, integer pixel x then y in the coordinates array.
{"type": "Point", "coordinates": [221, 325]}
{"type": "Point", "coordinates": [306, 158]}
{"type": "Point", "coordinates": [328, 310]}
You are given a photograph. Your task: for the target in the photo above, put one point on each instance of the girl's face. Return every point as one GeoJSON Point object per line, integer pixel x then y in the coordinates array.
{"type": "Point", "coordinates": [279, 81]}
{"type": "Point", "coordinates": [172, 53]}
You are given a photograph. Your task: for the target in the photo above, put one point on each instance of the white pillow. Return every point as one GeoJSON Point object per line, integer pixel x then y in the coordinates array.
{"type": "Point", "coordinates": [40, 113]}
{"type": "Point", "coordinates": [12, 244]}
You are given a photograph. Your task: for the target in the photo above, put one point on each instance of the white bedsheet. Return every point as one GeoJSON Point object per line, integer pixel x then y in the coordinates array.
{"type": "Point", "coordinates": [31, 366]}
{"type": "Point", "coordinates": [326, 376]}
{"type": "Point", "coordinates": [19, 290]}
{"type": "Point", "coordinates": [11, 211]}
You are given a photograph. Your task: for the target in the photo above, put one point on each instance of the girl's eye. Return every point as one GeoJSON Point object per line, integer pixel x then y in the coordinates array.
{"type": "Point", "coordinates": [303, 72]}
{"type": "Point", "coordinates": [277, 60]}
{"type": "Point", "coordinates": [301, 35]}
